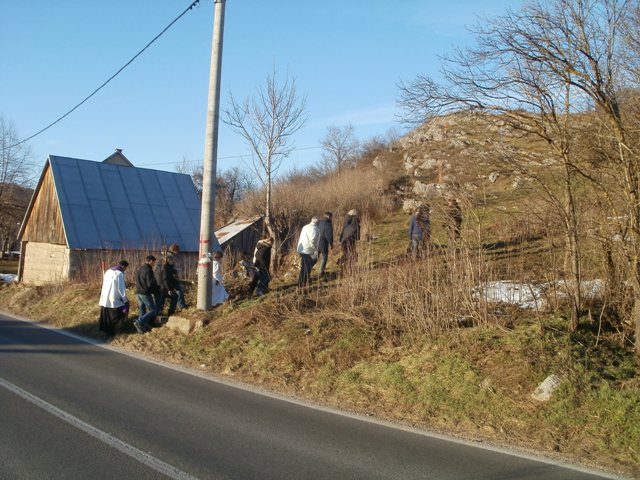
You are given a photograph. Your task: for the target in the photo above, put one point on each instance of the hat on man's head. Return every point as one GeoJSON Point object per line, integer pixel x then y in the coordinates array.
{"type": "Point", "coordinates": [353, 212]}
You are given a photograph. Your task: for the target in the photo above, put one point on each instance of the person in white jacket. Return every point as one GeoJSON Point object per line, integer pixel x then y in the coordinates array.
{"type": "Point", "coordinates": [308, 251]}
{"type": "Point", "coordinates": [114, 304]}
{"type": "Point", "coordinates": [219, 294]}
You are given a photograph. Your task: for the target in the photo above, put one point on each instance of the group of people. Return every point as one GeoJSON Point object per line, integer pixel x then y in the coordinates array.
{"type": "Point", "coordinates": [420, 226]}
{"type": "Point", "coordinates": [155, 283]}
{"type": "Point", "coordinates": [316, 239]}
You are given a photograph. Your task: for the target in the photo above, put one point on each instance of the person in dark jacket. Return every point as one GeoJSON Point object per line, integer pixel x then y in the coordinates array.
{"type": "Point", "coordinates": [420, 231]}
{"type": "Point", "coordinates": [325, 240]}
{"type": "Point", "coordinates": [147, 294]}
{"type": "Point", "coordinates": [262, 262]}
{"type": "Point", "coordinates": [348, 237]}
{"type": "Point", "coordinates": [167, 277]}
{"type": "Point", "coordinates": [454, 223]}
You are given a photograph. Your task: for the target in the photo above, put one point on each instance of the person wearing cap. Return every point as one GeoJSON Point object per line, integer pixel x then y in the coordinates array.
{"type": "Point", "coordinates": [348, 237]}
{"type": "Point", "coordinates": [114, 304]}
{"type": "Point", "coordinates": [325, 240]}
{"type": "Point", "coordinates": [147, 291]}
{"type": "Point", "coordinates": [308, 251]}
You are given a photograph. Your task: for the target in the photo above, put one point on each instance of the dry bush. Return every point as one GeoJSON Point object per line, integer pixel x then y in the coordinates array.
{"type": "Point", "coordinates": [411, 298]}
{"type": "Point", "coordinates": [298, 197]}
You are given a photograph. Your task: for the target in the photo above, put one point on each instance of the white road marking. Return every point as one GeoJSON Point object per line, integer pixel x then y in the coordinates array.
{"type": "Point", "coordinates": [142, 457]}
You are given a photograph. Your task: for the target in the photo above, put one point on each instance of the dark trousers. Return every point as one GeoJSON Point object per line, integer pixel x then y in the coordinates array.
{"type": "Point", "coordinates": [147, 307]}
{"type": "Point", "coordinates": [176, 299]}
{"type": "Point", "coordinates": [349, 258]}
{"type": "Point", "coordinates": [112, 320]}
{"type": "Point", "coordinates": [260, 282]}
{"type": "Point", "coordinates": [324, 256]}
{"type": "Point", "coordinates": [306, 264]}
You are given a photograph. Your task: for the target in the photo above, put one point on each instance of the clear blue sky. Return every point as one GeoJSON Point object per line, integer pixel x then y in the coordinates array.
{"type": "Point", "coordinates": [347, 57]}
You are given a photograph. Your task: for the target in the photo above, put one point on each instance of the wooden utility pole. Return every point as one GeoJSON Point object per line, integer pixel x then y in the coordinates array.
{"type": "Point", "coordinates": [207, 218]}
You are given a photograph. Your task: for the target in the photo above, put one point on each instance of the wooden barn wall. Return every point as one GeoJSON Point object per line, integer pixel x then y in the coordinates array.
{"type": "Point", "coordinates": [45, 263]}
{"type": "Point", "coordinates": [44, 224]}
{"type": "Point", "coordinates": [91, 264]}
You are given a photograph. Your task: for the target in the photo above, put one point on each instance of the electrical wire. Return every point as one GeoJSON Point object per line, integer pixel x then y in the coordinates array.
{"type": "Point", "coordinates": [228, 157]}
{"type": "Point", "coordinates": [193, 4]}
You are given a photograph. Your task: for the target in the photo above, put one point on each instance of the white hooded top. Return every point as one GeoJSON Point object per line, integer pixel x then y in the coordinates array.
{"type": "Point", "coordinates": [114, 292]}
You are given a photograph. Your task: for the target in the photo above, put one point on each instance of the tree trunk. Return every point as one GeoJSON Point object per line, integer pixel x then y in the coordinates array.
{"type": "Point", "coordinates": [572, 249]}
{"type": "Point", "coordinates": [268, 220]}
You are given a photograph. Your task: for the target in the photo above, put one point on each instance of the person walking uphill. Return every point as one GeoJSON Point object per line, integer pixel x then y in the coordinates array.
{"type": "Point", "coordinates": [325, 240]}
{"type": "Point", "coordinates": [114, 304]}
{"type": "Point", "coordinates": [348, 237]}
{"type": "Point", "coordinates": [419, 231]}
{"type": "Point", "coordinates": [455, 218]}
{"type": "Point", "coordinates": [308, 251]}
{"type": "Point", "coordinates": [147, 294]}
{"type": "Point", "coordinates": [262, 261]}
{"type": "Point", "coordinates": [170, 285]}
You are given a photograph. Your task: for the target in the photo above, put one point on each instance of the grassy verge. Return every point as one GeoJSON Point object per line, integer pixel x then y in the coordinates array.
{"type": "Point", "coordinates": [472, 382]}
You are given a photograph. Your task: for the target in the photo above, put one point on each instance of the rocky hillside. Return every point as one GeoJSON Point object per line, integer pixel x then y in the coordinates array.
{"type": "Point", "coordinates": [457, 155]}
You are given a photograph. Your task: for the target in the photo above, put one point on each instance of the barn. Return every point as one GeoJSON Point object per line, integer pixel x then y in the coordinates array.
{"type": "Point", "coordinates": [240, 237]}
{"type": "Point", "coordinates": [84, 215]}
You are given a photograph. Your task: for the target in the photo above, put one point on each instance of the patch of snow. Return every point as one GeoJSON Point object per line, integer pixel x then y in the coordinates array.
{"type": "Point", "coordinates": [8, 277]}
{"type": "Point", "coordinates": [529, 295]}
{"type": "Point", "coordinates": [524, 295]}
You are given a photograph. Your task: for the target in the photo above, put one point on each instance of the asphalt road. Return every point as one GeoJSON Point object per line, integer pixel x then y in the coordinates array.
{"type": "Point", "coordinates": [70, 409]}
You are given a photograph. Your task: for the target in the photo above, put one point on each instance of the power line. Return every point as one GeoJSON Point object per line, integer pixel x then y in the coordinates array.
{"type": "Point", "coordinates": [193, 4]}
{"type": "Point", "coordinates": [230, 156]}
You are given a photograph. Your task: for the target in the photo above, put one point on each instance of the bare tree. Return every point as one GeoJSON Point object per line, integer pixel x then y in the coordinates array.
{"type": "Point", "coordinates": [194, 169]}
{"type": "Point", "coordinates": [536, 67]}
{"type": "Point", "coordinates": [231, 187]}
{"type": "Point", "coordinates": [340, 148]}
{"type": "Point", "coordinates": [16, 173]}
{"type": "Point", "coordinates": [267, 121]}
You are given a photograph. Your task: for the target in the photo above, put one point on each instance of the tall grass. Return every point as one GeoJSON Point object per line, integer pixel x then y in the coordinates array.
{"type": "Point", "coordinates": [402, 296]}
{"type": "Point", "coordinates": [412, 297]}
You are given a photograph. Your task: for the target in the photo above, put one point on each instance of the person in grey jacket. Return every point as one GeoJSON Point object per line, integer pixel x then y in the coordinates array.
{"type": "Point", "coordinates": [325, 240]}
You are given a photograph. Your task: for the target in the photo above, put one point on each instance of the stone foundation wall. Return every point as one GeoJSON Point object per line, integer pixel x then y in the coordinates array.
{"type": "Point", "coordinates": [45, 262]}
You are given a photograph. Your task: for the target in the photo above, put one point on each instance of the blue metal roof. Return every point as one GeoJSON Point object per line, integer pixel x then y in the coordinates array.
{"type": "Point", "coordinates": [111, 206]}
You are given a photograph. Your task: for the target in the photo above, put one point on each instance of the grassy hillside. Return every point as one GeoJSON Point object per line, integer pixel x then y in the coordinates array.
{"type": "Point", "coordinates": [337, 346]}
{"type": "Point", "coordinates": [408, 340]}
